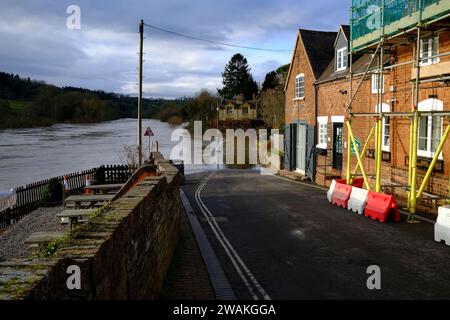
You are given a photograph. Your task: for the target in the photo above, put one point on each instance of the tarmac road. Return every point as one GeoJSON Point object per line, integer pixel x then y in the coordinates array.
{"type": "Point", "coordinates": [278, 239]}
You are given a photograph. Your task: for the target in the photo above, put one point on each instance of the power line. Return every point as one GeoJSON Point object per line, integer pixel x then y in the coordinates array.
{"type": "Point", "coordinates": [215, 42]}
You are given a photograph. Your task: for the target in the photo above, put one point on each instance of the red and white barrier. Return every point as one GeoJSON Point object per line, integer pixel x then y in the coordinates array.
{"type": "Point", "coordinates": [358, 200]}
{"type": "Point", "coordinates": [442, 225]}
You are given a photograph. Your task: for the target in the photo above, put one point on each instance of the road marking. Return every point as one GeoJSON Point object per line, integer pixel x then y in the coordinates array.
{"type": "Point", "coordinates": [231, 252]}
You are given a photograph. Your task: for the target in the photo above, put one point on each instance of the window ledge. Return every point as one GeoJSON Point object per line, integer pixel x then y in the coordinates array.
{"type": "Point", "coordinates": [299, 99]}
{"type": "Point", "coordinates": [428, 155]}
{"type": "Point", "coordinates": [322, 146]}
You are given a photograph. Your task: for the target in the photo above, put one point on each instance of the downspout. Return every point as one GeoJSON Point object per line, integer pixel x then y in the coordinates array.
{"type": "Point", "coordinates": [316, 114]}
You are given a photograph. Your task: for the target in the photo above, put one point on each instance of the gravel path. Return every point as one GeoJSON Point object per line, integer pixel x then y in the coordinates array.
{"type": "Point", "coordinates": [12, 239]}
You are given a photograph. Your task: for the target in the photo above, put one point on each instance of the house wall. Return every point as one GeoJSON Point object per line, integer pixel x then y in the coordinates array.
{"type": "Point", "coordinates": [332, 102]}
{"type": "Point", "coordinates": [237, 114]}
{"type": "Point", "coordinates": [300, 110]}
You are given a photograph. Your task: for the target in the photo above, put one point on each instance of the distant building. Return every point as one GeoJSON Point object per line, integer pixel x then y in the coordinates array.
{"type": "Point", "coordinates": [238, 110]}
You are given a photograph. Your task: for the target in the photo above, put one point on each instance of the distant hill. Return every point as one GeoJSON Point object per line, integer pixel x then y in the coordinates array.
{"type": "Point", "coordinates": [27, 103]}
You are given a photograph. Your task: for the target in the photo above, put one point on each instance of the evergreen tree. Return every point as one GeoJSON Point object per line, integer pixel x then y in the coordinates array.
{"type": "Point", "coordinates": [237, 79]}
{"type": "Point", "coordinates": [271, 81]}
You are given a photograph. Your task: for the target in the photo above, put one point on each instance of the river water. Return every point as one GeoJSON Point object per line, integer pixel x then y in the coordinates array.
{"type": "Point", "coordinates": [29, 155]}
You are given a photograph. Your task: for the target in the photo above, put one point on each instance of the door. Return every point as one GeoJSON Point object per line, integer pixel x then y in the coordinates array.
{"type": "Point", "coordinates": [301, 148]}
{"type": "Point", "coordinates": [338, 131]}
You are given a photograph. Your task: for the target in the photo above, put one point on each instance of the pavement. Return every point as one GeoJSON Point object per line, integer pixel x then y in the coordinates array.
{"type": "Point", "coordinates": [187, 277]}
{"type": "Point", "coordinates": [280, 239]}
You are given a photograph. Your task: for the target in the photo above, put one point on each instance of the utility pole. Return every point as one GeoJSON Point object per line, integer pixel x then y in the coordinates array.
{"type": "Point", "coordinates": [141, 53]}
{"type": "Point", "coordinates": [217, 127]}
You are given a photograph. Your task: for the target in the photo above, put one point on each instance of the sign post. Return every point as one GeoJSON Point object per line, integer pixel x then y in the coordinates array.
{"type": "Point", "coordinates": [149, 133]}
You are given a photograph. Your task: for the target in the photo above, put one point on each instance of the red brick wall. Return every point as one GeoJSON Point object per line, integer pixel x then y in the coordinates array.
{"type": "Point", "coordinates": [302, 110]}
{"type": "Point", "coordinates": [331, 102]}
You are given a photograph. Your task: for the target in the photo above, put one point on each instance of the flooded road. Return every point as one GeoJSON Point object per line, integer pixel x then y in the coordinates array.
{"type": "Point", "coordinates": [29, 155]}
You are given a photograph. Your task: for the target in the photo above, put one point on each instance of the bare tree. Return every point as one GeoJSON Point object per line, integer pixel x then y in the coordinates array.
{"type": "Point", "coordinates": [272, 108]}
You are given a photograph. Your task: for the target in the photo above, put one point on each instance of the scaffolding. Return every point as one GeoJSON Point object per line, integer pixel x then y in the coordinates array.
{"type": "Point", "coordinates": [377, 27]}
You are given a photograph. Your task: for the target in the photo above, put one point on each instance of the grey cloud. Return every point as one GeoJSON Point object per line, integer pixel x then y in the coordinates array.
{"type": "Point", "coordinates": [103, 55]}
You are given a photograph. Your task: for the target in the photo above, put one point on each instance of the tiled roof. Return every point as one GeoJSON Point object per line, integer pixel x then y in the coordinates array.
{"type": "Point", "coordinates": [319, 48]}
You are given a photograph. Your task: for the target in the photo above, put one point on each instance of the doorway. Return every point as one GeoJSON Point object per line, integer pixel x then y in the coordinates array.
{"type": "Point", "coordinates": [301, 148]}
{"type": "Point", "coordinates": [338, 131]}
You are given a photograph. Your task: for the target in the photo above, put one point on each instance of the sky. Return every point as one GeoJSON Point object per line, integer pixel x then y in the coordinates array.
{"type": "Point", "coordinates": [103, 54]}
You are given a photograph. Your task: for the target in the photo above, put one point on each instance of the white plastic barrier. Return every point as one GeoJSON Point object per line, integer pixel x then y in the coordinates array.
{"type": "Point", "coordinates": [7, 199]}
{"type": "Point", "coordinates": [358, 200]}
{"type": "Point", "coordinates": [331, 190]}
{"type": "Point", "coordinates": [442, 225]}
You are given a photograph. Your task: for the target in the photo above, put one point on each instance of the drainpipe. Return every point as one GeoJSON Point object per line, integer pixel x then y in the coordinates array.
{"type": "Point", "coordinates": [316, 113]}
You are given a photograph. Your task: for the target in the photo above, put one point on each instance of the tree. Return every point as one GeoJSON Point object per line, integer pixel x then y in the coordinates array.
{"type": "Point", "coordinates": [272, 98]}
{"type": "Point", "coordinates": [237, 79]}
{"type": "Point", "coordinates": [271, 81]}
{"type": "Point", "coordinates": [202, 107]}
{"type": "Point", "coordinates": [272, 108]}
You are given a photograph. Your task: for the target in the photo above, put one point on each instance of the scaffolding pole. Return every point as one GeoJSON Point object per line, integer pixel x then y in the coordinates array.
{"type": "Point", "coordinates": [363, 152]}
{"type": "Point", "coordinates": [379, 126]}
{"type": "Point", "coordinates": [433, 162]}
{"type": "Point", "coordinates": [361, 166]}
{"type": "Point", "coordinates": [413, 185]}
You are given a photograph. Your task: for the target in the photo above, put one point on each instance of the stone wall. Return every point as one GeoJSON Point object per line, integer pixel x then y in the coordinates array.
{"type": "Point", "coordinates": [123, 253]}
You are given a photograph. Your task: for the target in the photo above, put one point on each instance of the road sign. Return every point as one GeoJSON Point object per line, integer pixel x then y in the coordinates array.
{"type": "Point", "coordinates": [149, 132]}
{"type": "Point", "coordinates": [358, 146]}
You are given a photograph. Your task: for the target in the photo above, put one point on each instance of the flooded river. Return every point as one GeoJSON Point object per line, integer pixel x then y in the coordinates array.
{"type": "Point", "coordinates": [29, 155]}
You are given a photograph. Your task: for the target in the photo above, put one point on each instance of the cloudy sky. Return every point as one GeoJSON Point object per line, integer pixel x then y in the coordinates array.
{"type": "Point", "coordinates": [35, 41]}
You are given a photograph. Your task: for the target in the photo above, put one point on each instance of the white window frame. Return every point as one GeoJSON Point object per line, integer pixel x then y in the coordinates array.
{"type": "Point", "coordinates": [431, 41]}
{"type": "Point", "coordinates": [429, 105]}
{"type": "Point", "coordinates": [341, 54]}
{"type": "Point", "coordinates": [298, 83]}
{"type": "Point", "coordinates": [384, 108]}
{"type": "Point", "coordinates": [375, 77]}
{"type": "Point", "coordinates": [322, 122]}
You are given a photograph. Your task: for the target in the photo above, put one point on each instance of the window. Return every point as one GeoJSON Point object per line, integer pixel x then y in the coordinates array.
{"type": "Point", "coordinates": [229, 110]}
{"type": "Point", "coordinates": [341, 59]}
{"type": "Point", "coordinates": [244, 110]}
{"type": "Point", "coordinates": [300, 86]}
{"type": "Point", "coordinates": [375, 78]}
{"type": "Point", "coordinates": [430, 128]}
{"type": "Point", "coordinates": [429, 47]}
{"type": "Point", "coordinates": [322, 126]}
{"type": "Point", "coordinates": [386, 128]}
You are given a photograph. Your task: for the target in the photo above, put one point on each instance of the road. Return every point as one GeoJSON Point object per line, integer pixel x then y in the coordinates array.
{"type": "Point", "coordinates": [280, 239]}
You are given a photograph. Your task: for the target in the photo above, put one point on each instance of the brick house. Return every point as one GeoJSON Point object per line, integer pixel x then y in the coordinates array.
{"type": "Point", "coordinates": [313, 51]}
{"type": "Point", "coordinates": [391, 98]}
{"type": "Point", "coordinates": [333, 89]}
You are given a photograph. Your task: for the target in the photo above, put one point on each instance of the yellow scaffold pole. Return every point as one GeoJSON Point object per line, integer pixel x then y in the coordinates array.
{"type": "Point", "coordinates": [433, 162]}
{"type": "Point", "coordinates": [349, 154]}
{"type": "Point", "coordinates": [350, 133]}
{"type": "Point", "coordinates": [363, 152]}
{"type": "Point", "coordinates": [413, 195]}
{"type": "Point", "coordinates": [378, 155]}
{"type": "Point", "coordinates": [410, 162]}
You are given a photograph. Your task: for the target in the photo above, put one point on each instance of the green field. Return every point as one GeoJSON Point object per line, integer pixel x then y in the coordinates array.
{"type": "Point", "coordinates": [18, 106]}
